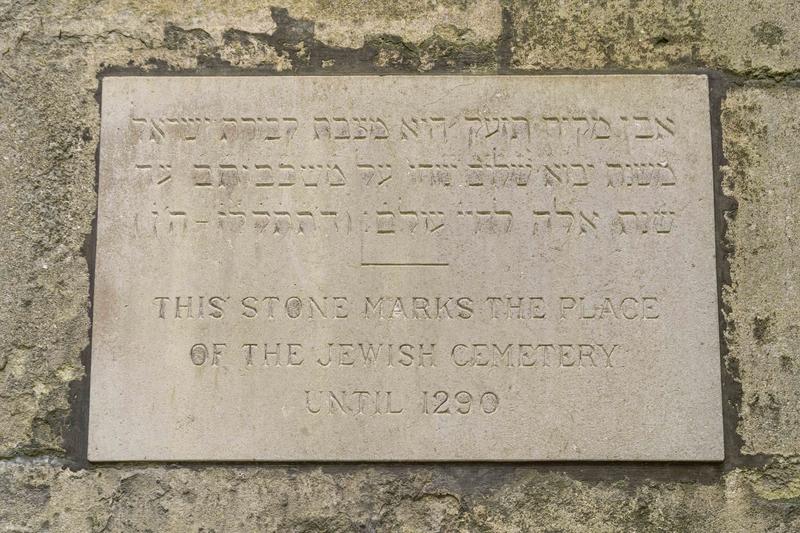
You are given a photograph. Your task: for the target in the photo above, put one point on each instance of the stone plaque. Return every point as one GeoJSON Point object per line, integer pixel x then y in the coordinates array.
{"type": "Point", "coordinates": [365, 268]}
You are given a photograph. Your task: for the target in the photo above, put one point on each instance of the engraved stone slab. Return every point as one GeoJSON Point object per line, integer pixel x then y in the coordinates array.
{"type": "Point", "coordinates": [405, 268]}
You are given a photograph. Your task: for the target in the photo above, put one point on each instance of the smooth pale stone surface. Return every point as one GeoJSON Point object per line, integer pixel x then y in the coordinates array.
{"type": "Point", "coordinates": [440, 267]}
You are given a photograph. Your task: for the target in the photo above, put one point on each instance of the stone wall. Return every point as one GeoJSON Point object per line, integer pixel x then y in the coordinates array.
{"type": "Point", "coordinates": [53, 55]}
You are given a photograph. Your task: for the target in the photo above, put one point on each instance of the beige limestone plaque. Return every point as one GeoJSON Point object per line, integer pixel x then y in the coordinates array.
{"type": "Point", "coordinates": [360, 268]}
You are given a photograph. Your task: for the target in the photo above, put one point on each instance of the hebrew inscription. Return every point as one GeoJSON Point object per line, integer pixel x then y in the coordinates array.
{"type": "Point", "coordinates": [405, 268]}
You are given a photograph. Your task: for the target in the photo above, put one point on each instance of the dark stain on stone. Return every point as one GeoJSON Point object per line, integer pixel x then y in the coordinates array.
{"type": "Point", "coordinates": [156, 64]}
{"type": "Point", "coordinates": [75, 432]}
{"type": "Point", "coordinates": [768, 34]}
{"type": "Point", "coordinates": [176, 38]}
{"type": "Point", "coordinates": [766, 405]}
{"type": "Point", "coordinates": [761, 327]}
{"type": "Point", "coordinates": [295, 39]}
{"type": "Point", "coordinates": [505, 44]}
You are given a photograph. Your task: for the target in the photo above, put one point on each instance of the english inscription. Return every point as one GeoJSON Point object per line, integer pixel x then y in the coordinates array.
{"type": "Point", "coordinates": [405, 268]}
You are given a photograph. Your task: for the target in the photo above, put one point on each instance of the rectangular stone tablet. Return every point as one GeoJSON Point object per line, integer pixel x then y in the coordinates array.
{"type": "Point", "coordinates": [422, 268]}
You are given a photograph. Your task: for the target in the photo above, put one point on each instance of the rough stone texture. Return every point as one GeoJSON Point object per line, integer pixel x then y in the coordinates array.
{"type": "Point", "coordinates": [47, 141]}
{"type": "Point", "coordinates": [50, 56]}
{"type": "Point", "coordinates": [761, 127]}
{"type": "Point", "coordinates": [277, 36]}
{"type": "Point", "coordinates": [345, 23]}
{"type": "Point", "coordinates": [41, 497]}
{"type": "Point", "coordinates": [754, 38]}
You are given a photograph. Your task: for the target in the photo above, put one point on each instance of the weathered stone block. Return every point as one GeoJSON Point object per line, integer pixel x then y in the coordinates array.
{"type": "Point", "coordinates": [760, 131]}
